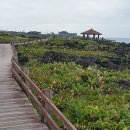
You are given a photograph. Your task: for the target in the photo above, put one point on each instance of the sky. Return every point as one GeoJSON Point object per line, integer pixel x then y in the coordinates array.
{"type": "Point", "coordinates": [110, 17]}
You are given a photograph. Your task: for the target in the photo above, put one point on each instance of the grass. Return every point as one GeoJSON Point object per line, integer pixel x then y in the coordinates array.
{"type": "Point", "coordinates": [90, 97]}
{"type": "Point", "coordinates": [9, 38]}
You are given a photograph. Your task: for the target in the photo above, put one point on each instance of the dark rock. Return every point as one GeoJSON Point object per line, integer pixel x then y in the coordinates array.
{"type": "Point", "coordinates": [86, 61]}
{"type": "Point", "coordinates": [123, 45]}
{"type": "Point", "coordinates": [124, 84]}
{"type": "Point", "coordinates": [121, 50]}
{"type": "Point", "coordinates": [111, 64]}
{"type": "Point", "coordinates": [51, 57]}
{"type": "Point", "coordinates": [115, 63]}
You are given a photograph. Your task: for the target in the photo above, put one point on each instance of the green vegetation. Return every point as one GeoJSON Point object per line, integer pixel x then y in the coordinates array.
{"type": "Point", "coordinates": [94, 96]}
{"type": "Point", "coordinates": [8, 38]}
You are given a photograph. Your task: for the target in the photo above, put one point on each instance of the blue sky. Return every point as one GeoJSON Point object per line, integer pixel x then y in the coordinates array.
{"type": "Point", "coordinates": [110, 17]}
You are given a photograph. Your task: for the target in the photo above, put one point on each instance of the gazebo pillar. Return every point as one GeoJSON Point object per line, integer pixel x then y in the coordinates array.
{"type": "Point", "coordinates": [94, 36]}
{"type": "Point", "coordinates": [83, 35]}
{"type": "Point", "coordinates": [87, 36]}
{"type": "Point", "coordinates": [98, 36]}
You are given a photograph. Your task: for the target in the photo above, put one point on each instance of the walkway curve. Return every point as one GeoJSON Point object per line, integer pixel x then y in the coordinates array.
{"type": "Point", "coordinates": [16, 112]}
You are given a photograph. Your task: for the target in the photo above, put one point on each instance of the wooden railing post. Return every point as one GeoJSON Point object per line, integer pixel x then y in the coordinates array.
{"type": "Point", "coordinates": [15, 58]}
{"type": "Point", "coordinates": [49, 94]}
{"type": "Point", "coordinates": [26, 71]}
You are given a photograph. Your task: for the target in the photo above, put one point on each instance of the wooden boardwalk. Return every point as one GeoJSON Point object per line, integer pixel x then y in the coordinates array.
{"type": "Point", "coordinates": [16, 112]}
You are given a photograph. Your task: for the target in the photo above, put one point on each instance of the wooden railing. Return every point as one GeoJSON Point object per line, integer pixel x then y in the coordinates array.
{"type": "Point", "coordinates": [17, 43]}
{"type": "Point", "coordinates": [33, 92]}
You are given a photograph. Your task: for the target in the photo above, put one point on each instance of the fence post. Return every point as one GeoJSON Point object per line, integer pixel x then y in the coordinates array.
{"type": "Point", "coordinates": [26, 71]}
{"type": "Point", "coordinates": [15, 58]}
{"type": "Point", "coordinates": [49, 94]}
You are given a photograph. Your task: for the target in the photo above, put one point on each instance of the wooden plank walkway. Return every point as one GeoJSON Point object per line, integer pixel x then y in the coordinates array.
{"type": "Point", "coordinates": [16, 112]}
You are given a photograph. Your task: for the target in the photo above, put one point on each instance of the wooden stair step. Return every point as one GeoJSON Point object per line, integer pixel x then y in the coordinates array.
{"type": "Point", "coordinates": [9, 90]}
{"type": "Point", "coordinates": [19, 95]}
{"type": "Point", "coordinates": [15, 106]}
{"type": "Point", "coordinates": [5, 101]}
{"type": "Point", "coordinates": [18, 122]}
{"type": "Point", "coordinates": [6, 87]}
{"type": "Point", "coordinates": [23, 102]}
{"type": "Point", "coordinates": [29, 126]}
{"type": "Point", "coordinates": [18, 113]}
{"type": "Point", "coordinates": [5, 78]}
{"type": "Point", "coordinates": [6, 75]}
{"type": "Point", "coordinates": [10, 93]}
{"type": "Point", "coordinates": [7, 83]}
{"type": "Point", "coordinates": [20, 117]}
{"type": "Point", "coordinates": [21, 109]}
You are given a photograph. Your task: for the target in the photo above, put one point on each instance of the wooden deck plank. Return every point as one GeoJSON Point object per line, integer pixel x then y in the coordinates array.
{"type": "Point", "coordinates": [28, 126]}
{"type": "Point", "coordinates": [16, 111]}
{"type": "Point", "coordinates": [12, 100]}
{"type": "Point", "coordinates": [19, 117]}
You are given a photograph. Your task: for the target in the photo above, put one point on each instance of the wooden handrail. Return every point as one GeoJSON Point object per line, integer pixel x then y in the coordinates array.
{"type": "Point", "coordinates": [35, 100]}
{"type": "Point", "coordinates": [15, 70]}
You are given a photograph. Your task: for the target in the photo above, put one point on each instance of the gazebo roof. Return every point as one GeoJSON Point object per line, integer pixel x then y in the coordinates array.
{"type": "Point", "coordinates": [91, 32]}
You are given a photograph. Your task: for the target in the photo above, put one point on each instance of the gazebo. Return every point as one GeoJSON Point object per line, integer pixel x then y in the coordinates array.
{"type": "Point", "coordinates": [91, 32]}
